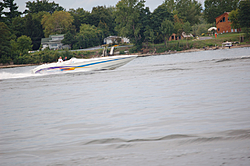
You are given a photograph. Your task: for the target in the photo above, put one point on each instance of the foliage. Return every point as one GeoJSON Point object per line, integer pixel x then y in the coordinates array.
{"type": "Point", "coordinates": [244, 16]}
{"type": "Point", "coordinates": [199, 29]}
{"type": "Point", "coordinates": [171, 5]}
{"type": "Point", "coordinates": [88, 36]}
{"type": "Point", "coordinates": [187, 27]}
{"type": "Point", "coordinates": [178, 24]}
{"type": "Point", "coordinates": [167, 29]}
{"type": "Point", "coordinates": [69, 38]}
{"type": "Point", "coordinates": [24, 43]}
{"type": "Point", "coordinates": [18, 26]}
{"type": "Point", "coordinates": [4, 43]}
{"type": "Point", "coordinates": [189, 10]}
{"type": "Point", "coordinates": [102, 17]}
{"type": "Point", "coordinates": [233, 16]}
{"type": "Point", "coordinates": [214, 8]}
{"type": "Point", "coordinates": [160, 14]}
{"type": "Point", "coordinates": [127, 17]}
{"type": "Point", "coordinates": [43, 5]}
{"type": "Point", "coordinates": [57, 23]}
{"type": "Point", "coordinates": [80, 17]}
{"type": "Point", "coordinates": [13, 12]}
{"type": "Point", "coordinates": [2, 6]}
{"type": "Point", "coordinates": [34, 29]}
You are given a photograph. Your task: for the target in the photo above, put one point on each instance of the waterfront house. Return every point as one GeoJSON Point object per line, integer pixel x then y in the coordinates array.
{"type": "Point", "coordinates": [223, 24]}
{"type": "Point", "coordinates": [54, 42]}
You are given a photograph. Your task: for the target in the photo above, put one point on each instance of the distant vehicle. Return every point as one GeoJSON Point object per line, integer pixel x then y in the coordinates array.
{"type": "Point", "coordinates": [227, 44]}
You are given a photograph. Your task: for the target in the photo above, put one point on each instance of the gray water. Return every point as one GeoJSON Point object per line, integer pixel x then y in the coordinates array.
{"type": "Point", "coordinates": [178, 109]}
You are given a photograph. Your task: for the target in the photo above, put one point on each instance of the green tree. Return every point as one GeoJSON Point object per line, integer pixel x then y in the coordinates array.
{"type": "Point", "coordinates": [104, 27]}
{"type": "Point", "coordinates": [88, 36]}
{"type": "Point", "coordinates": [244, 16]}
{"type": "Point", "coordinates": [200, 28]}
{"type": "Point", "coordinates": [187, 27]}
{"type": "Point", "coordinates": [57, 23]}
{"type": "Point", "coordinates": [14, 49]}
{"type": "Point", "coordinates": [146, 22]}
{"type": "Point", "coordinates": [34, 29]}
{"type": "Point", "coordinates": [5, 46]}
{"type": "Point", "coordinates": [167, 29]}
{"type": "Point", "coordinates": [233, 16]}
{"type": "Point", "coordinates": [13, 12]}
{"type": "Point", "coordinates": [171, 5]}
{"type": "Point", "coordinates": [18, 26]}
{"type": "Point", "coordinates": [69, 38]}
{"type": "Point", "coordinates": [214, 8]}
{"type": "Point", "coordinates": [24, 44]}
{"type": "Point", "coordinates": [149, 35]}
{"type": "Point", "coordinates": [158, 16]}
{"type": "Point", "coordinates": [127, 18]}
{"type": "Point", "coordinates": [178, 25]}
{"type": "Point", "coordinates": [43, 5]}
{"type": "Point", "coordinates": [189, 10]}
{"type": "Point", "coordinates": [30, 25]}
{"type": "Point", "coordinates": [103, 15]}
{"type": "Point", "coordinates": [80, 17]}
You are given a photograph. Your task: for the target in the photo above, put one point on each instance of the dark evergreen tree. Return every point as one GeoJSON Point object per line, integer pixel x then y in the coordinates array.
{"type": "Point", "coordinates": [43, 5]}
{"type": "Point", "coordinates": [13, 12]}
{"type": "Point", "coordinates": [244, 16]}
{"type": "Point", "coordinates": [34, 29]}
{"type": "Point", "coordinates": [103, 15]}
{"type": "Point", "coordinates": [5, 46]}
{"type": "Point", "coordinates": [18, 26]}
{"type": "Point", "coordinates": [80, 17]}
{"type": "Point", "coordinates": [2, 6]}
{"type": "Point", "coordinates": [158, 16]}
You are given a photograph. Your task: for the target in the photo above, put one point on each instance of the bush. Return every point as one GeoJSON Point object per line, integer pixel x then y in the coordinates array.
{"type": "Point", "coordinates": [133, 50]}
{"type": "Point", "coordinates": [161, 49]}
{"type": "Point", "coordinates": [5, 60]}
{"type": "Point", "coordinates": [122, 52]}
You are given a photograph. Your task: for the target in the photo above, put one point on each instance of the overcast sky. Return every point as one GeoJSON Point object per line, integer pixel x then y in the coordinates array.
{"type": "Point", "coordinates": [89, 4]}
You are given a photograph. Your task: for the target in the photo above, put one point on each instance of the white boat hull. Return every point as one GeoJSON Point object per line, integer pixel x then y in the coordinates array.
{"type": "Point", "coordinates": [75, 64]}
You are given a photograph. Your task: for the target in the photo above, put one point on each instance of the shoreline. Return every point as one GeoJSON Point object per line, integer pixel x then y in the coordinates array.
{"type": "Point", "coordinates": [149, 54]}
{"type": "Point", "coordinates": [193, 50]}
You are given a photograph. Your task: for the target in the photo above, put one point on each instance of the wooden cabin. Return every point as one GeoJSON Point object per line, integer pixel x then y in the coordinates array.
{"type": "Point", "coordinates": [223, 24]}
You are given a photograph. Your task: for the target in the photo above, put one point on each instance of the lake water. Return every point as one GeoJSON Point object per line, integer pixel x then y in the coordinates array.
{"type": "Point", "coordinates": [178, 109]}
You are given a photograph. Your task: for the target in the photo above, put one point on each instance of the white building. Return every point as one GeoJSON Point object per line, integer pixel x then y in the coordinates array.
{"type": "Point", "coordinates": [54, 42]}
{"type": "Point", "coordinates": [115, 39]}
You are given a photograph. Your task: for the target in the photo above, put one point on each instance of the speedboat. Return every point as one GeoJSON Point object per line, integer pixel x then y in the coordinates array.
{"type": "Point", "coordinates": [75, 64]}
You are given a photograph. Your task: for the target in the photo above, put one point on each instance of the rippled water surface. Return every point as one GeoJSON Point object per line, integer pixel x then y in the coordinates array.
{"type": "Point", "coordinates": [178, 109]}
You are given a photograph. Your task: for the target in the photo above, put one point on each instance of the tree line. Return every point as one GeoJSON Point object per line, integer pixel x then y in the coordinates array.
{"type": "Point", "coordinates": [22, 31]}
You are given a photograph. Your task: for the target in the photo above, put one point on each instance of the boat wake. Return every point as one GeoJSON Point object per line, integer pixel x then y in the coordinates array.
{"type": "Point", "coordinates": [225, 135]}
{"type": "Point", "coordinates": [232, 59]}
{"type": "Point", "coordinates": [8, 75]}
{"type": "Point", "coordinates": [12, 75]}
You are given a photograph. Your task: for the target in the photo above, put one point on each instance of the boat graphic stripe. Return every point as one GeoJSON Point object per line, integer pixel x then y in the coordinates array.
{"type": "Point", "coordinates": [63, 68]}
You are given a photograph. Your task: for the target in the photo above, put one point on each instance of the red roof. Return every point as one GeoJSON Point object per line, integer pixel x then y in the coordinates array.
{"type": "Point", "coordinates": [223, 14]}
